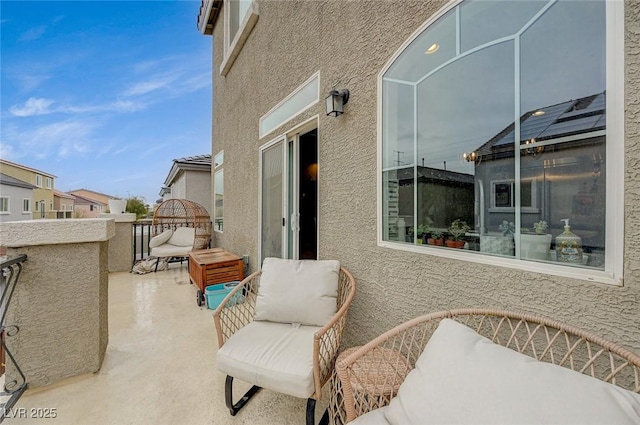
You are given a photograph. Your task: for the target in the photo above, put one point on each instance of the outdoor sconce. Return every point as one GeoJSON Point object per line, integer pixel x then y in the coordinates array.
{"type": "Point", "coordinates": [533, 150]}
{"type": "Point", "coordinates": [472, 157]}
{"type": "Point", "coordinates": [335, 102]}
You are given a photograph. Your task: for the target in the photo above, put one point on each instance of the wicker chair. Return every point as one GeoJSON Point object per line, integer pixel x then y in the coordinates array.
{"type": "Point", "coordinates": [173, 214]}
{"type": "Point", "coordinates": [368, 378]}
{"type": "Point", "coordinates": [231, 316]}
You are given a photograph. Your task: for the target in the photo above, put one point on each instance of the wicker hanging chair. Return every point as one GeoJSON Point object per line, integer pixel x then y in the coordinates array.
{"type": "Point", "coordinates": [174, 213]}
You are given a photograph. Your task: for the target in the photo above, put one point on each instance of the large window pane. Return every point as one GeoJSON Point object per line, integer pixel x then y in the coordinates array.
{"type": "Point", "coordinates": [430, 50]}
{"type": "Point", "coordinates": [398, 205]}
{"type": "Point", "coordinates": [238, 9]}
{"type": "Point", "coordinates": [399, 131]}
{"type": "Point", "coordinates": [501, 127]}
{"type": "Point", "coordinates": [461, 147]}
{"type": "Point", "coordinates": [272, 201]}
{"type": "Point", "coordinates": [478, 23]}
{"type": "Point", "coordinates": [218, 195]}
{"type": "Point", "coordinates": [562, 130]}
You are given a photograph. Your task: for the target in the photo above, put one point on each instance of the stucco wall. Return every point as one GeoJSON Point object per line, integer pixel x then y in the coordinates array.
{"type": "Point", "coordinates": [198, 188]}
{"type": "Point", "coordinates": [60, 302]}
{"type": "Point", "coordinates": [350, 42]}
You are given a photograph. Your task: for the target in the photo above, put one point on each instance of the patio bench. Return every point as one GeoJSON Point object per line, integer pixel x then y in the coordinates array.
{"type": "Point", "coordinates": [472, 366]}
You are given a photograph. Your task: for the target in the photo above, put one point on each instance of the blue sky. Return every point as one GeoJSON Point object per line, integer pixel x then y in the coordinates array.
{"type": "Point", "coordinates": [104, 94]}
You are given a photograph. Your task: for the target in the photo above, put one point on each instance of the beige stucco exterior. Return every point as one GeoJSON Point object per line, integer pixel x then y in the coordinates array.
{"type": "Point", "coordinates": [61, 299]}
{"type": "Point", "coordinates": [121, 245]}
{"type": "Point", "coordinates": [42, 195]}
{"type": "Point", "coordinates": [349, 43]}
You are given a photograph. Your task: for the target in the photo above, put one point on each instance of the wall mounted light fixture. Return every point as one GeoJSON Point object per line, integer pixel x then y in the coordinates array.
{"type": "Point", "coordinates": [472, 157]}
{"type": "Point", "coordinates": [335, 102]}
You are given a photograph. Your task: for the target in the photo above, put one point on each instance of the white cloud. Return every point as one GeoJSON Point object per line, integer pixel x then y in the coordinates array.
{"type": "Point", "coordinates": [62, 139]}
{"type": "Point", "coordinates": [32, 106]}
{"type": "Point", "coordinates": [145, 87]}
{"type": "Point", "coordinates": [30, 82]}
{"type": "Point", "coordinates": [33, 34]}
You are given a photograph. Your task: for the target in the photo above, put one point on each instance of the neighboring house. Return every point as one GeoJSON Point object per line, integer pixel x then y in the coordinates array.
{"type": "Point", "coordinates": [190, 178]}
{"type": "Point", "coordinates": [87, 208]}
{"type": "Point", "coordinates": [101, 198]}
{"type": "Point", "coordinates": [429, 83]}
{"type": "Point", "coordinates": [42, 200]}
{"type": "Point", "coordinates": [63, 203]}
{"type": "Point", "coordinates": [16, 198]}
{"type": "Point", "coordinates": [165, 194]}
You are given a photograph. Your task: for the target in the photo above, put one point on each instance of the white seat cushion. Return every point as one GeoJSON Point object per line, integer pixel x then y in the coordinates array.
{"type": "Point", "coordinates": [183, 236]}
{"type": "Point", "coordinates": [168, 250]}
{"type": "Point", "coordinates": [160, 239]}
{"type": "Point", "coordinates": [465, 378]}
{"type": "Point", "coordinates": [298, 291]}
{"type": "Point", "coordinates": [374, 417]}
{"type": "Point", "coordinates": [277, 356]}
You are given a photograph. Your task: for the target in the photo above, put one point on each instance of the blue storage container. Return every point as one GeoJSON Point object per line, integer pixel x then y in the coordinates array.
{"type": "Point", "coordinates": [214, 294]}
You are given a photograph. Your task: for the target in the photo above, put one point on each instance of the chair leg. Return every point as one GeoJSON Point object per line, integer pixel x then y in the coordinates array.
{"type": "Point", "coordinates": [157, 261]}
{"type": "Point", "coordinates": [311, 409]}
{"type": "Point", "coordinates": [228, 396]}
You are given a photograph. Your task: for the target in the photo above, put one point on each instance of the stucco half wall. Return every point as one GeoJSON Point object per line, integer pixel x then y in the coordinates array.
{"type": "Point", "coordinates": [349, 43]}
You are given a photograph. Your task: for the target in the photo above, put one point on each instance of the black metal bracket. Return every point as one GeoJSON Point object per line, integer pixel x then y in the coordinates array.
{"type": "Point", "coordinates": [311, 411]}
{"type": "Point", "coordinates": [11, 269]}
{"type": "Point", "coordinates": [228, 396]}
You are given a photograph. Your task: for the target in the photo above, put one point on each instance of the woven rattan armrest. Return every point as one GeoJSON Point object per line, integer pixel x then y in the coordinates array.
{"type": "Point", "coordinates": [327, 339]}
{"type": "Point", "coordinates": [231, 315]}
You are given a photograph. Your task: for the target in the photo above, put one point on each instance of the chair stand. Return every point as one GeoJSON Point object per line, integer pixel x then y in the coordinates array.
{"type": "Point", "coordinates": [228, 396]}
{"type": "Point", "coordinates": [311, 409]}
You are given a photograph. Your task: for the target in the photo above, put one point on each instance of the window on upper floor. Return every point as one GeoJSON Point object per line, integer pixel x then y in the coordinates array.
{"type": "Point", "coordinates": [218, 200]}
{"type": "Point", "coordinates": [498, 122]}
{"type": "Point", "coordinates": [4, 205]}
{"type": "Point", "coordinates": [49, 182]}
{"type": "Point", "coordinates": [26, 205]}
{"type": "Point", "coordinates": [240, 17]}
{"type": "Point", "coordinates": [38, 180]}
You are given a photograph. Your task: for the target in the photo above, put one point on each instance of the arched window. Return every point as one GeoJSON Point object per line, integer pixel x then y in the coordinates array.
{"type": "Point", "coordinates": [496, 121]}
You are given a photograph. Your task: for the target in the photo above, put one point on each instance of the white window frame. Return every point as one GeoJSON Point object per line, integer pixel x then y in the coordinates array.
{"type": "Point", "coordinates": [38, 180]}
{"type": "Point", "coordinates": [614, 243]}
{"type": "Point", "coordinates": [27, 202]}
{"type": "Point", "coordinates": [233, 47]}
{"type": "Point", "coordinates": [533, 208]}
{"type": "Point", "coordinates": [215, 208]}
{"type": "Point", "coordinates": [218, 159]}
{"type": "Point", "coordinates": [287, 102]}
{"type": "Point", "coordinates": [6, 199]}
{"type": "Point", "coordinates": [48, 182]}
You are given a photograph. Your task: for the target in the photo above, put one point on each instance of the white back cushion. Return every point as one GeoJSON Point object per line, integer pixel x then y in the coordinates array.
{"type": "Point", "coordinates": [160, 239]}
{"type": "Point", "coordinates": [297, 291]}
{"type": "Point", "coordinates": [183, 236]}
{"type": "Point", "coordinates": [464, 378]}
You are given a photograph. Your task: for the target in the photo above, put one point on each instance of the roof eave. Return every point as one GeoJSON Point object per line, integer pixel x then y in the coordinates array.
{"type": "Point", "coordinates": [209, 11]}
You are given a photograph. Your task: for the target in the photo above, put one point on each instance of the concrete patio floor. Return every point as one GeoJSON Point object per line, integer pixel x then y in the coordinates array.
{"type": "Point", "coordinates": [159, 366]}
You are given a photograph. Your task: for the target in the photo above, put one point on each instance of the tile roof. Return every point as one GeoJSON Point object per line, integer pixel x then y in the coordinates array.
{"type": "Point", "coordinates": [12, 181]}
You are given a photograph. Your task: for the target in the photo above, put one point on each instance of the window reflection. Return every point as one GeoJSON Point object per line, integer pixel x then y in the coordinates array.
{"type": "Point", "coordinates": [507, 119]}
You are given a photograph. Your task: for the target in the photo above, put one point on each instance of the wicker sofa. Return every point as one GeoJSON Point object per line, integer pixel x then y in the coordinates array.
{"type": "Point", "coordinates": [465, 375]}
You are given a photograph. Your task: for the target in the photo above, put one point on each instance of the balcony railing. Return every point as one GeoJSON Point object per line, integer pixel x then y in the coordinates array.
{"type": "Point", "coordinates": [141, 237]}
{"type": "Point", "coordinates": [11, 269]}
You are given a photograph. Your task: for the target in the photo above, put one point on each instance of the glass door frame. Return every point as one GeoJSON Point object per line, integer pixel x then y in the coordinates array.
{"type": "Point", "coordinates": [290, 187]}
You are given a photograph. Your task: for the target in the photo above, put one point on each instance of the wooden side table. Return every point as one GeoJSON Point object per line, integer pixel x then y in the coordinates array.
{"type": "Point", "coordinates": [213, 266]}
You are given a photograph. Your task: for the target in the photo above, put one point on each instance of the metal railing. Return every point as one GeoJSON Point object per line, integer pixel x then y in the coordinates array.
{"type": "Point", "coordinates": [11, 269]}
{"type": "Point", "coordinates": [141, 236]}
